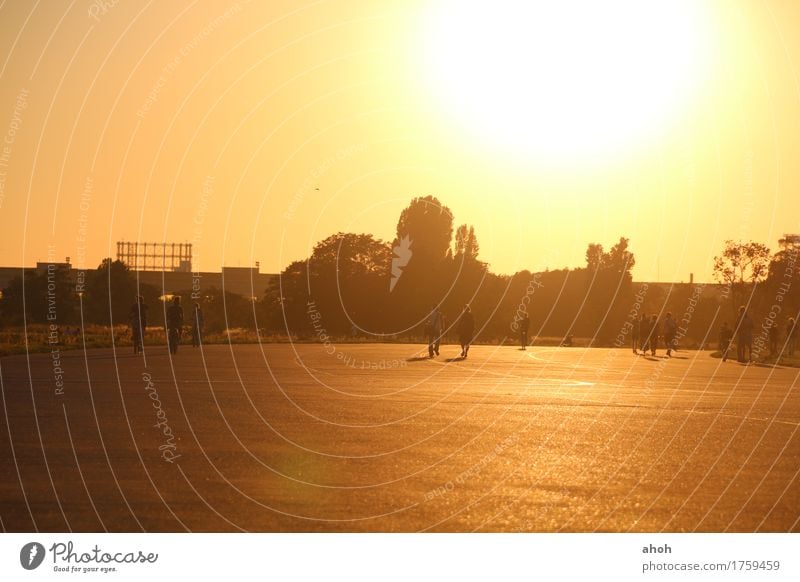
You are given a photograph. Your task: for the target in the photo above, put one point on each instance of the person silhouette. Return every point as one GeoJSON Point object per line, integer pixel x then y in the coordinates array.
{"type": "Point", "coordinates": [774, 338]}
{"type": "Point", "coordinates": [725, 336]}
{"type": "Point", "coordinates": [138, 323]}
{"type": "Point", "coordinates": [174, 324]}
{"type": "Point", "coordinates": [636, 332]}
{"type": "Point", "coordinates": [433, 329]}
{"type": "Point", "coordinates": [466, 329]}
{"type": "Point", "coordinates": [670, 329]}
{"type": "Point", "coordinates": [654, 330]}
{"type": "Point", "coordinates": [524, 325]}
{"type": "Point", "coordinates": [645, 327]}
{"type": "Point", "coordinates": [197, 325]}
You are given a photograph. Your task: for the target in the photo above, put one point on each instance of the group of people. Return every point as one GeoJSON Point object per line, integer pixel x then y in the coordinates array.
{"type": "Point", "coordinates": [645, 333]}
{"type": "Point", "coordinates": [436, 325]}
{"type": "Point", "coordinates": [743, 331]}
{"type": "Point", "coordinates": [647, 330]}
{"type": "Point", "coordinates": [174, 324]}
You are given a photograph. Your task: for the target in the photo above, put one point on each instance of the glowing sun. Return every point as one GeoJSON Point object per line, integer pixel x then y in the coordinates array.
{"type": "Point", "coordinates": [562, 79]}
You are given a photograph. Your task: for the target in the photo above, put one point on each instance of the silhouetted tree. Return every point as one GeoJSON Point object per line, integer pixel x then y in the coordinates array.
{"type": "Point", "coordinates": [345, 281]}
{"type": "Point", "coordinates": [49, 297]}
{"type": "Point", "coordinates": [285, 301]}
{"type": "Point", "coordinates": [110, 291]}
{"type": "Point", "coordinates": [741, 266]}
{"type": "Point", "coordinates": [349, 279]}
{"type": "Point", "coordinates": [608, 288]}
{"type": "Point", "coordinates": [428, 225]}
{"type": "Point", "coordinates": [463, 277]}
{"type": "Point", "coordinates": [466, 243]}
{"type": "Point", "coordinates": [782, 283]}
{"type": "Point", "coordinates": [594, 256]}
{"type": "Point", "coordinates": [21, 299]}
{"type": "Point", "coordinates": [221, 309]}
{"type": "Point", "coordinates": [619, 259]}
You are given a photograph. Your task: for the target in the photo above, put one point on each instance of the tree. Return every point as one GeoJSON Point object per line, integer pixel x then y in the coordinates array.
{"type": "Point", "coordinates": [351, 255]}
{"type": "Point", "coordinates": [783, 279]}
{"type": "Point", "coordinates": [426, 229]}
{"type": "Point", "coordinates": [21, 299]}
{"type": "Point", "coordinates": [429, 226]}
{"type": "Point", "coordinates": [345, 280]}
{"type": "Point", "coordinates": [466, 243]}
{"type": "Point", "coordinates": [609, 286]}
{"type": "Point", "coordinates": [619, 259]}
{"type": "Point", "coordinates": [740, 266]}
{"type": "Point", "coordinates": [349, 278]}
{"type": "Point", "coordinates": [594, 256]}
{"type": "Point", "coordinates": [110, 292]}
{"type": "Point", "coordinates": [49, 297]}
{"type": "Point", "coordinates": [285, 300]}
{"type": "Point", "coordinates": [222, 310]}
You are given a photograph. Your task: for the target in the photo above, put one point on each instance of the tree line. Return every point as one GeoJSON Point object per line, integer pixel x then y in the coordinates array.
{"type": "Point", "coordinates": [357, 285]}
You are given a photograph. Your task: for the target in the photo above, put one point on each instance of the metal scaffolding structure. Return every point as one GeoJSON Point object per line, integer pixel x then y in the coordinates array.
{"type": "Point", "coordinates": [142, 256]}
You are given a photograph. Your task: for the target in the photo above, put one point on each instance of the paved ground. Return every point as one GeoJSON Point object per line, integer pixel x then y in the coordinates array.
{"type": "Point", "coordinates": [368, 437]}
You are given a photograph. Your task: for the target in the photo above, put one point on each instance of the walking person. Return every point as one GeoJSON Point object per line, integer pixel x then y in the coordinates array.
{"type": "Point", "coordinates": [524, 325]}
{"type": "Point", "coordinates": [433, 329]}
{"type": "Point", "coordinates": [174, 324]}
{"type": "Point", "coordinates": [138, 323]}
{"type": "Point", "coordinates": [197, 325]}
{"type": "Point", "coordinates": [646, 326]}
{"type": "Point", "coordinates": [466, 329]}
{"type": "Point", "coordinates": [670, 329]}
{"type": "Point", "coordinates": [644, 334]}
{"type": "Point", "coordinates": [636, 332]}
{"type": "Point", "coordinates": [654, 329]}
{"type": "Point", "coordinates": [725, 337]}
{"type": "Point", "coordinates": [774, 338]}
{"type": "Point", "coordinates": [744, 336]}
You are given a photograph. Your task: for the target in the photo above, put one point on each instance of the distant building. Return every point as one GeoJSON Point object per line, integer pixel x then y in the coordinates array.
{"type": "Point", "coordinates": [168, 267]}
{"type": "Point", "coordinates": [718, 291]}
{"type": "Point", "coordinates": [244, 281]}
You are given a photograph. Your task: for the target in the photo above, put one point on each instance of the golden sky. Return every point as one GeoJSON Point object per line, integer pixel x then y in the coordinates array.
{"type": "Point", "coordinates": [255, 129]}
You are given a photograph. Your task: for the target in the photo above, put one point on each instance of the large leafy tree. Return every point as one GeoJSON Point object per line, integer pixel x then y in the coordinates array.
{"type": "Point", "coordinates": [426, 228]}
{"type": "Point", "coordinates": [608, 287]}
{"type": "Point", "coordinates": [783, 279]}
{"type": "Point", "coordinates": [345, 280]}
{"type": "Point", "coordinates": [466, 244]}
{"type": "Point", "coordinates": [740, 267]}
{"type": "Point", "coordinates": [110, 291]}
{"type": "Point", "coordinates": [619, 259]}
{"type": "Point", "coordinates": [46, 296]}
{"type": "Point", "coordinates": [22, 299]}
{"type": "Point", "coordinates": [594, 256]}
{"type": "Point", "coordinates": [429, 225]}
{"type": "Point", "coordinates": [465, 276]}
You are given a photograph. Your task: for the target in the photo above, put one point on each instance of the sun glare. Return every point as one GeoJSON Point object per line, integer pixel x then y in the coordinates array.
{"type": "Point", "coordinates": [566, 79]}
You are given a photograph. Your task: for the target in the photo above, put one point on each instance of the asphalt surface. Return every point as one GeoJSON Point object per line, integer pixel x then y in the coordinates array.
{"type": "Point", "coordinates": [369, 437]}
